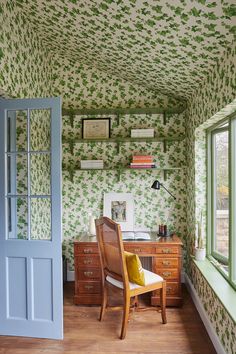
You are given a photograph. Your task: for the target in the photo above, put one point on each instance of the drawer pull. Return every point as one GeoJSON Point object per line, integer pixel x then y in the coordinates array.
{"type": "Point", "coordinates": [88, 287]}
{"type": "Point", "coordinates": [166, 262]}
{"type": "Point", "coordinates": [88, 250]}
{"type": "Point", "coordinates": [166, 274]}
{"type": "Point", "coordinates": [88, 274]}
{"type": "Point", "coordinates": [166, 250]}
{"type": "Point", "coordinates": [137, 250]}
{"type": "Point", "coordinates": [88, 261]}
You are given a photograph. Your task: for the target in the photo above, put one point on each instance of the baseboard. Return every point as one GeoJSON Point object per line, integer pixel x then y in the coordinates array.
{"type": "Point", "coordinates": [207, 323]}
{"type": "Point", "coordinates": [70, 275]}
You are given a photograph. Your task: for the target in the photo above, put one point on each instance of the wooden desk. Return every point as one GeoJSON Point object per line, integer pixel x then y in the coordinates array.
{"type": "Point", "coordinates": [164, 254]}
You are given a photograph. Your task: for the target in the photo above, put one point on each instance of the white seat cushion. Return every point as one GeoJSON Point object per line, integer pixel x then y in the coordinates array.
{"type": "Point", "coordinates": [150, 278]}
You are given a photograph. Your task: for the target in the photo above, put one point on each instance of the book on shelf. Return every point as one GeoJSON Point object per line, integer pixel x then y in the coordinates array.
{"type": "Point", "coordinates": [90, 164]}
{"type": "Point", "coordinates": [142, 157]}
{"type": "Point", "coordinates": [142, 133]}
{"type": "Point", "coordinates": [142, 161]}
{"type": "Point", "coordinates": [143, 166]}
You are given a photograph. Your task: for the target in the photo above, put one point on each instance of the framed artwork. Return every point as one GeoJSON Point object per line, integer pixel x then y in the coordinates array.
{"type": "Point", "coordinates": [96, 128]}
{"type": "Point", "coordinates": [120, 208]}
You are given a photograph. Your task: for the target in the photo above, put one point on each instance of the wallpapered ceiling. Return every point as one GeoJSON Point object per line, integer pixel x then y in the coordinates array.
{"type": "Point", "coordinates": [168, 46]}
{"type": "Point", "coordinates": [207, 107]}
{"type": "Point", "coordinates": [83, 87]}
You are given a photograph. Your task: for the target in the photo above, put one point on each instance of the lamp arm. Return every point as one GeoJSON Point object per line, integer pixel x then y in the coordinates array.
{"type": "Point", "coordinates": [168, 192]}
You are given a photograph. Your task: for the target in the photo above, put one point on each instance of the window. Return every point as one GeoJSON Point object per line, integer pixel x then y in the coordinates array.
{"type": "Point", "coordinates": [221, 208]}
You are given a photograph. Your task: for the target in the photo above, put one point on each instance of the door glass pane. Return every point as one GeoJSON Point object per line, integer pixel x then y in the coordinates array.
{"type": "Point", "coordinates": [17, 174]}
{"type": "Point", "coordinates": [16, 131]}
{"type": "Point", "coordinates": [40, 174]}
{"type": "Point", "coordinates": [40, 219]}
{"type": "Point", "coordinates": [222, 194]}
{"type": "Point", "coordinates": [17, 211]}
{"type": "Point", "coordinates": [40, 126]}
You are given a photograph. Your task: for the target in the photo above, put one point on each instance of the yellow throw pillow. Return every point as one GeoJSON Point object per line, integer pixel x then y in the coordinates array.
{"type": "Point", "coordinates": [134, 268]}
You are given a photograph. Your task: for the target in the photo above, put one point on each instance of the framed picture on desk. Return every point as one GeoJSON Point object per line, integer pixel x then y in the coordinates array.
{"type": "Point", "coordinates": [120, 208]}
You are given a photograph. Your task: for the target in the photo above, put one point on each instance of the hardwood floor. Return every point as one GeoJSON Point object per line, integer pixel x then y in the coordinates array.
{"type": "Point", "coordinates": [83, 333]}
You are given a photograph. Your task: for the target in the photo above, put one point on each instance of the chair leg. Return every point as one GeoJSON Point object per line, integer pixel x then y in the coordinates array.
{"type": "Point", "coordinates": [136, 303]}
{"type": "Point", "coordinates": [104, 302]}
{"type": "Point", "coordinates": [163, 302]}
{"type": "Point", "coordinates": [126, 310]}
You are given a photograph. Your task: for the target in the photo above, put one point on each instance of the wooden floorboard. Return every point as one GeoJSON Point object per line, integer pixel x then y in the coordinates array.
{"type": "Point", "coordinates": [83, 333]}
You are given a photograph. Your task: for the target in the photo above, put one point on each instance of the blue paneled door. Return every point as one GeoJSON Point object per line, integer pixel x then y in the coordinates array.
{"type": "Point", "coordinates": [31, 302]}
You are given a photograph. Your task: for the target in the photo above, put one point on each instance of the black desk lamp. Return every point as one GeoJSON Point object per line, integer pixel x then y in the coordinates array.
{"type": "Point", "coordinates": [157, 185]}
{"type": "Point", "coordinates": [162, 228]}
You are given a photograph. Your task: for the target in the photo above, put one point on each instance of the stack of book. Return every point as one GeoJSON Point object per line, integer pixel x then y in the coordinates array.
{"type": "Point", "coordinates": [142, 161]}
{"type": "Point", "coordinates": [91, 164]}
{"type": "Point", "coordinates": [142, 133]}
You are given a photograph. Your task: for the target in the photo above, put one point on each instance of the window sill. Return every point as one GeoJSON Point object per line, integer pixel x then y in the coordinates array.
{"type": "Point", "coordinates": [220, 286]}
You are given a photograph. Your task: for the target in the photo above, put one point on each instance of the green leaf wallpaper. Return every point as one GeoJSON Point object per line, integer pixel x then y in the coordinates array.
{"type": "Point", "coordinates": [167, 46]}
{"type": "Point", "coordinates": [25, 63]}
{"type": "Point", "coordinates": [214, 100]}
{"type": "Point", "coordinates": [129, 54]}
{"type": "Point", "coordinates": [84, 87]}
{"type": "Point", "coordinates": [84, 195]}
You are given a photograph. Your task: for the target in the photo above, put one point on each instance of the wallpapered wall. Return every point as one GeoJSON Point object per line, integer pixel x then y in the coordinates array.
{"type": "Point", "coordinates": [85, 194]}
{"type": "Point", "coordinates": [26, 71]}
{"type": "Point", "coordinates": [85, 87]}
{"type": "Point", "coordinates": [217, 91]}
{"type": "Point", "coordinates": [25, 64]}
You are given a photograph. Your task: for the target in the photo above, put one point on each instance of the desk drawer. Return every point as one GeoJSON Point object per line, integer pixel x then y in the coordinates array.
{"type": "Point", "coordinates": [168, 273]}
{"type": "Point", "coordinates": [88, 273]}
{"type": "Point", "coordinates": [88, 260]}
{"type": "Point", "coordinates": [164, 262]}
{"type": "Point", "coordinates": [81, 248]}
{"type": "Point", "coordinates": [142, 249]}
{"type": "Point", "coordinates": [172, 289]}
{"type": "Point", "coordinates": [89, 287]}
{"type": "Point", "coordinates": [162, 249]}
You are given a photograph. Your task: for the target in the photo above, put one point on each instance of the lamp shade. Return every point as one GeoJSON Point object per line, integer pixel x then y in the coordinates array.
{"type": "Point", "coordinates": [156, 185]}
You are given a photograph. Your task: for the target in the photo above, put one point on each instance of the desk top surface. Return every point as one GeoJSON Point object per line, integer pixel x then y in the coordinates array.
{"type": "Point", "coordinates": [153, 239]}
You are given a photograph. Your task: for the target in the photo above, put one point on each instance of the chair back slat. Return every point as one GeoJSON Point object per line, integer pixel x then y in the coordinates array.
{"type": "Point", "coordinates": [111, 249]}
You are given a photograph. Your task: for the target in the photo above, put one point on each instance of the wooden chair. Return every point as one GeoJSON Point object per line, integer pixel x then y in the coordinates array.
{"type": "Point", "coordinates": [114, 271]}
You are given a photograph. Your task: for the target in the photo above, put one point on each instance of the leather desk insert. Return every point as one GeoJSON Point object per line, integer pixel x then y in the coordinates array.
{"type": "Point", "coordinates": [165, 254]}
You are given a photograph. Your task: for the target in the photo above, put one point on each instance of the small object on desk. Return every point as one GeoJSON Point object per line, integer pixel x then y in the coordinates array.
{"type": "Point", "coordinates": [136, 235]}
{"type": "Point", "coordinates": [139, 235]}
{"type": "Point", "coordinates": [92, 229]}
{"type": "Point", "coordinates": [161, 230]}
{"type": "Point", "coordinates": [165, 230]}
